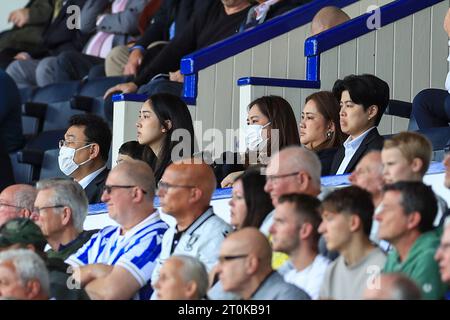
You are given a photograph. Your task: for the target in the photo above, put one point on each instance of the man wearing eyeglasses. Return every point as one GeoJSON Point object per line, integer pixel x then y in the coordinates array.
{"type": "Point", "coordinates": [59, 210]}
{"type": "Point", "coordinates": [185, 191]}
{"type": "Point", "coordinates": [245, 269]}
{"type": "Point", "coordinates": [84, 152]}
{"type": "Point", "coordinates": [16, 201]}
{"type": "Point", "coordinates": [118, 261]}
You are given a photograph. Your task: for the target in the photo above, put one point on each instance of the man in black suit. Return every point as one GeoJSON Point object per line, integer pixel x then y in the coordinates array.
{"type": "Point", "coordinates": [84, 152]}
{"type": "Point", "coordinates": [363, 100]}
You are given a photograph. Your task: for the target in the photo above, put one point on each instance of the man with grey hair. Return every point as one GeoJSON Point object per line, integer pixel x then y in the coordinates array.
{"type": "Point", "coordinates": [292, 170]}
{"type": "Point", "coordinates": [16, 201]}
{"type": "Point", "coordinates": [182, 277]}
{"type": "Point", "coordinates": [117, 263]}
{"type": "Point", "coordinates": [392, 286]}
{"type": "Point", "coordinates": [23, 276]}
{"type": "Point", "coordinates": [60, 209]}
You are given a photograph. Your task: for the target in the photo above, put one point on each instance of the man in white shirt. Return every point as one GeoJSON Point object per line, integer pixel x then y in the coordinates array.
{"type": "Point", "coordinates": [84, 152]}
{"type": "Point", "coordinates": [185, 192]}
{"type": "Point", "coordinates": [295, 232]}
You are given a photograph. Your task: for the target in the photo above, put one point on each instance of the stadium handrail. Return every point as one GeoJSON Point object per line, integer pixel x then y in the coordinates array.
{"type": "Point", "coordinates": [338, 35]}
{"type": "Point", "coordinates": [201, 59]}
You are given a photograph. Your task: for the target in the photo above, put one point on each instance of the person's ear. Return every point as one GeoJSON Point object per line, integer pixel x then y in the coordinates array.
{"type": "Point", "coordinates": [414, 219]}
{"type": "Point", "coordinates": [251, 264]}
{"type": "Point", "coordinates": [191, 289]}
{"type": "Point", "coordinates": [355, 222]}
{"type": "Point", "coordinates": [195, 194]}
{"type": "Point", "coordinates": [25, 213]}
{"type": "Point", "coordinates": [94, 150]}
{"type": "Point", "coordinates": [66, 216]}
{"type": "Point", "coordinates": [305, 230]}
{"type": "Point", "coordinates": [32, 288]}
{"type": "Point", "coordinates": [168, 126]}
{"type": "Point", "coordinates": [137, 194]}
{"type": "Point", "coordinates": [373, 111]}
{"type": "Point", "coordinates": [416, 165]}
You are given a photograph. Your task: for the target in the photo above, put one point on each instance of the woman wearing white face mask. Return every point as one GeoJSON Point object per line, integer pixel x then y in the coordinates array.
{"type": "Point", "coordinates": [269, 117]}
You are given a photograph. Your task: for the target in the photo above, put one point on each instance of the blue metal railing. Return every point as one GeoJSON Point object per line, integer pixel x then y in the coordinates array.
{"type": "Point", "coordinates": [201, 59]}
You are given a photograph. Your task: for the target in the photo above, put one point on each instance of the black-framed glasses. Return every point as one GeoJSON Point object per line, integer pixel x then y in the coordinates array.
{"type": "Point", "coordinates": [38, 210]}
{"type": "Point", "coordinates": [65, 143]}
{"type": "Point", "coordinates": [109, 188]}
{"type": "Point", "coordinates": [222, 259]}
{"type": "Point", "coordinates": [273, 178]}
{"type": "Point", "coordinates": [3, 204]}
{"type": "Point", "coordinates": [165, 186]}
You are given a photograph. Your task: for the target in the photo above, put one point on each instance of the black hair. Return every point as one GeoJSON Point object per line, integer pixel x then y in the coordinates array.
{"type": "Point", "coordinates": [169, 107]}
{"type": "Point", "coordinates": [96, 130]}
{"type": "Point", "coordinates": [366, 90]}
{"type": "Point", "coordinates": [352, 200]}
{"type": "Point", "coordinates": [258, 202]}
{"type": "Point", "coordinates": [417, 197]}
{"type": "Point", "coordinates": [132, 149]}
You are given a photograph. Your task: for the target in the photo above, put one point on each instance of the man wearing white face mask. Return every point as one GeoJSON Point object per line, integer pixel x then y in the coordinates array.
{"type": "Point", "coordinates": [84, 152]}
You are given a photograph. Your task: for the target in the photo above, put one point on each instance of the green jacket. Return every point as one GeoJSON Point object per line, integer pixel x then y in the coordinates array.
{"type": "Point", "coordinates": [420, 265]}
{"type": "Point", "coordinates": [72, 247]}
{"type": "Point", "coordinates": [30, 35]}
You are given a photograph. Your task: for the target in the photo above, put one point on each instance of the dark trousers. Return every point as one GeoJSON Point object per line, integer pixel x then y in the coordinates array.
{"type": "Point", "coordinates": [73, 65]}
{"type": "Point", "coordinates": [431, 108]}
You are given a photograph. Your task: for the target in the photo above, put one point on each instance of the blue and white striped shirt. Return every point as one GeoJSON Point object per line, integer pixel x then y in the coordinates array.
{"type": "Point", "coordinates": [136, 251]}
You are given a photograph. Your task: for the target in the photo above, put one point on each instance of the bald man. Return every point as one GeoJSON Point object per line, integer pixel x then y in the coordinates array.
{"type": "Point", "coordinates": [245, 269]}
{"type": "Point", "coordinates": [292, 170]}
{"type": "Point", "coordinates": [368, 175]}
{"type": "Point", "coordinates": [392, 286]}
{"type": "Point", "coordinates": [327, 18]}
{"type": "Point", "coordinates": [185, 191]}
{"type": "Point", "coordinates": [16, 201]}
{"type": "Point", "coordinates": [117, 262]}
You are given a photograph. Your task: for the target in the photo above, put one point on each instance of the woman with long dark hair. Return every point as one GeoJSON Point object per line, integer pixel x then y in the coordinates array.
{"type": "Point", "coordinates": [160, 116]}
{"type": "Point", "coordinates": [320, 130]}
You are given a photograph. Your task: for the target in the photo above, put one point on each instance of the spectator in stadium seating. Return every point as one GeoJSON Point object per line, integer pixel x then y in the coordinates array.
{"type": "Point", "coordinates": [447, 179]}
{"type": "Point", "coordinates": [346, 223]}
{"type": "Point", "coordinates": [245, 269]}
{"type": "Point", "coordinates": [117, 262]}
{"type": "Point", "coordinates": [442, 256]}
{"type": "Point", "coordinates": [292, 170]}
{"type": "Point", "coordinates": [185, 192]}
{"type": "Point", "coordinates": [406, 157]}
{"type": "Point", "coordinates": [249, 204]}
{"type": "Point", "coordinates": [268, 9]}
{"type": "Point", "coordinates": [392, 286]}
{"type": "Point", "coordinates": [327, 18]}
{"type": "Point", "coordinates": [214, 22]}
{"type": "Point", "coordinates": [406, 221]}
{"type": "Point", "coordinates": [363, 100]}
{"type": "Point", "coordinates": [130, 150]}
{"type": "Point", "coordinates": [59, 210]}
{"type": "Point", "coordinates": [182, 277]}
{"type": "Point", "coordinates": [295, 232]}
{"type": "Point", "coordinates": [170, 20]}
{"type": "Point", "coordinates": [11, 136]}
{"type": "Point", "coordinates": [320, 129]}
{"type": "Point", "coordinates": [84, 152]}
{"type": "Point", "coordinates": [368, 175]}
{"type": "Point", "coordinates": [23, 276]}
{"type": "Point", "coordinates": [33, 66]}
{"type": "Point", "coordinates": [29, 23]}
{"type": "Point", "coordinates": [111, 23]}
{"type": "Point", "coordinates": [164, 120]}
{"type": "Point", "coordinates": [16, 201]}
{"type": "Point", "coordinates": [431, 107]}
{"type": "Point", "coordinates": [22, 233]}
{"type": "Point", "coordinates": [271, 126]}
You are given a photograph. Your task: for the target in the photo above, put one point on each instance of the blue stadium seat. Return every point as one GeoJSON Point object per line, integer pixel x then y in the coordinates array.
{"type": "Point", "coordinates": [49, 167]}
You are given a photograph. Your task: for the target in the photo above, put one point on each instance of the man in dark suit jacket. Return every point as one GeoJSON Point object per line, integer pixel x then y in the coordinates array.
{"type": "Point", "coordinates": [363, 100]}
{"type": "Point", "coordinates": [84, 152]}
